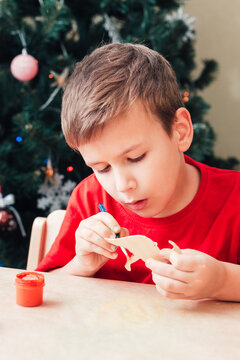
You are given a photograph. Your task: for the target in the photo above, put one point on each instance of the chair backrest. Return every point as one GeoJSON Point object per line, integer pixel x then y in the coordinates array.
{"type": "Point", "coordinates": [44, 232]}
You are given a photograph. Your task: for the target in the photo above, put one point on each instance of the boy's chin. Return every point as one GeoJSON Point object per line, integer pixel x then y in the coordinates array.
{"type": "Point", "coordinates": [146, 213]}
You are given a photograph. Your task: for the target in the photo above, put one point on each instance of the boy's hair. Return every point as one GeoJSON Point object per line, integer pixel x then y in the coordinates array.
{"type": "Point", "coordinates": [108, 81]}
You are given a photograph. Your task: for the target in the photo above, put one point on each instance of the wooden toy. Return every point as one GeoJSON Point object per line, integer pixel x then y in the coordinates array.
{"type": "Point", "coordinates": [142, 248]}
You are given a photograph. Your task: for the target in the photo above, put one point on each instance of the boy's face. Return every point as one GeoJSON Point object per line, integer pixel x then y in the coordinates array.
{"type": "Point", "coordinates": [137, 163]}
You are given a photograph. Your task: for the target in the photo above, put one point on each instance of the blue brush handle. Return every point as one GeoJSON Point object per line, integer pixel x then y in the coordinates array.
{"type": "Point", "coordinates": [102, 209]}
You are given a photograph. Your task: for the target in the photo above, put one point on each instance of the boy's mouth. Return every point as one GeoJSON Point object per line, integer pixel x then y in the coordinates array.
{"type": "Point", "coordinates": [136, 205]}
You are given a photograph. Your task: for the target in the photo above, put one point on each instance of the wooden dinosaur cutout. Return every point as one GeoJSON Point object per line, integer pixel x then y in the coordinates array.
{"type": "Point", "coordinates": [142, 248]}
{"type": "Point", "coordinates": [175, 247]}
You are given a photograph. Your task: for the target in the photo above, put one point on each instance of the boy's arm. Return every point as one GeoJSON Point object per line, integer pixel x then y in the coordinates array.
{"type": "Point", "coordinates": [195, 275]}
{"type": "Point", "coordinates": [74, 267]}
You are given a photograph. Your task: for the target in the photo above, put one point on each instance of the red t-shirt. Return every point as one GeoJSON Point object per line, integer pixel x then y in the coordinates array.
{"type": "Point", "coordinates": [209, 223]}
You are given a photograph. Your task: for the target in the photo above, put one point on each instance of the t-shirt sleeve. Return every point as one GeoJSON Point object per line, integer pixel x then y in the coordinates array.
{"type": "Point", "coordinates": [63, 248]}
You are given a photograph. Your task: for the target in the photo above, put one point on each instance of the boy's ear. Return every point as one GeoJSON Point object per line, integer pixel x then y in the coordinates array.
{"type": "Point", "coordinates": [183, 129]}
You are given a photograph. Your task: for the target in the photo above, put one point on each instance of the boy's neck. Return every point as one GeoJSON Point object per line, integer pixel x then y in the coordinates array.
{"type": "Point", "coordinates": [193, 178]}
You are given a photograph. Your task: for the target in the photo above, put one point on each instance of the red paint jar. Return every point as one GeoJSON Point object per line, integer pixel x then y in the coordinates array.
{"type": "Point", "coordinates": [29, 288]}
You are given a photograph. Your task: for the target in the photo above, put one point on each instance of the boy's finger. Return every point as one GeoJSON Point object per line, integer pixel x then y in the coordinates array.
{"type": "Point", "coordinates": [93, 237]}
{"type": "Point", "coordinates": [166, 270]}
{"type": "Point", "coordinates": [88, 247]}
{"type": "Point", "coordinates": [165, 253]}
{"type": "Point", "coordinates": [169, 294]}
{"type": "Point", "coordinates": [170, 285]}
{"type": "Point", "coordinates": [108, 220]}
{"type": "Point", "coordinates": [99, 227]}
{"type": "Point", "coordinates": [183, 262]}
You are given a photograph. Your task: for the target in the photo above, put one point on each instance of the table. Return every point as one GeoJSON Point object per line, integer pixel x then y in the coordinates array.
{"type": "Point", "coordinates": [86, 318]}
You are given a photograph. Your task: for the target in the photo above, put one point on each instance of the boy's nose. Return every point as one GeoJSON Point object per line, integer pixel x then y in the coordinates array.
{"type": "Point", "coordinates": [124, 182]}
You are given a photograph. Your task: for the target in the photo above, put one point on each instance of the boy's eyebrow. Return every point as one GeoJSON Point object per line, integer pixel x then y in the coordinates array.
{"type": "Point", "coordinates": [133, 147]}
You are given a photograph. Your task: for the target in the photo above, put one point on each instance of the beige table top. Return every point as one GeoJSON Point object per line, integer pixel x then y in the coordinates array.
{"type": "Point", "coordinates": [85, 318]}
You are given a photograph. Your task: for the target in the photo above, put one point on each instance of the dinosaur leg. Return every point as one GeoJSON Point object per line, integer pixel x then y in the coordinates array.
{"type": "Point", "coordinates": [130, 261]}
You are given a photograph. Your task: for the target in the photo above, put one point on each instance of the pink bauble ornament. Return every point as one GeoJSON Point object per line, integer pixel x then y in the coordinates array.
{"type": "Point", "coordinates": [24, 67]}
{"type": "Point", "coordinates": [7, 220]}
{"type": "Point", "coordinates": [4, 217]}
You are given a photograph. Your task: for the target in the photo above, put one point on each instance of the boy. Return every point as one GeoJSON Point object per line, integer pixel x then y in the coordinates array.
{"type": "Point", "coordinates": [122, 110]}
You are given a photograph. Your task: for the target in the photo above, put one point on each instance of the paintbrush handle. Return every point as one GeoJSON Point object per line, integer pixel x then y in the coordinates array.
{"type": "Point", "coordinates": [102, 209]}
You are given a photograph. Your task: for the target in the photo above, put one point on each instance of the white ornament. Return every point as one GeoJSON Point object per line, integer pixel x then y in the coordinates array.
{"type": "Point", "coordinates": [112, 27]}
{"type": "Point", "coordinates": [55, 196]}
{"type": "Point", "coordinates": [189, 21]}
{"type": "Point", "coordinates": [199, 126]}
{"type": "Point", "coordinates": [6, 200]}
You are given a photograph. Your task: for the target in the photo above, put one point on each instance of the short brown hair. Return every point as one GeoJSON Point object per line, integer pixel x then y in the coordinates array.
{"type": "Point", "coordinates": [108, 81]}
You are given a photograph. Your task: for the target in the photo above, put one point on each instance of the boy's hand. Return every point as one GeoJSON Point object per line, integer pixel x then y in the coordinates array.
{"type": "Point", "coordinates": [189, 275]}
{"type": "Point", "coordinates": [92, 250]}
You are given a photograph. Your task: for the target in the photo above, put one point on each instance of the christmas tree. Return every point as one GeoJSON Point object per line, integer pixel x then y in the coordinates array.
{"type": "Point", "coordinates": [40, 42]}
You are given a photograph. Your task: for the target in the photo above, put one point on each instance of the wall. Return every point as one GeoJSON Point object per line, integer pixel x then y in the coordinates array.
{"type": "Point", "coordinates": [218, 37]}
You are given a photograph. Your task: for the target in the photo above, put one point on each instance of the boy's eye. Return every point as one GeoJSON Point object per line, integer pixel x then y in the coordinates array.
{"type": "Point", "coordinates": [106, 169]}
{"type": "Point", "coordinates": [139, 158]}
